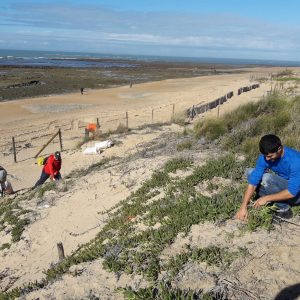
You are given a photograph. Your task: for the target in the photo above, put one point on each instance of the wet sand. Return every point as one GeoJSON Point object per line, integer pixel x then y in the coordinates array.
{"type": "Point", "coordinates": [19, 82]}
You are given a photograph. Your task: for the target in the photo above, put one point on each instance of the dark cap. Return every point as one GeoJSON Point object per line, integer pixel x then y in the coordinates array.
{"type": "Point", "coordinates": [57, 155]}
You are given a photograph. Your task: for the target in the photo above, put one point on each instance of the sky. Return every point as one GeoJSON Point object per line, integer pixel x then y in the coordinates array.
{"type": "Point", "coordinates": [247, 29]}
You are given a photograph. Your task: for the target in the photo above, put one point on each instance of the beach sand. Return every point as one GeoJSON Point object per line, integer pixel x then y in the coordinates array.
{"type": "Point", "coordinates": [33, 121]}
{"type": "Point", "coordinates": [75, 217]}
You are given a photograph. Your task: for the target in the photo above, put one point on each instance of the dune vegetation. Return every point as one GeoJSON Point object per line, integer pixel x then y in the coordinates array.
{"type": "Point", "coordinates": [167, 205]}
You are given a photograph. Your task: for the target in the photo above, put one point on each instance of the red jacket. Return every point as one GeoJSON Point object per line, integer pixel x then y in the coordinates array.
{"type": "Point", "coordinates": [52, 166]}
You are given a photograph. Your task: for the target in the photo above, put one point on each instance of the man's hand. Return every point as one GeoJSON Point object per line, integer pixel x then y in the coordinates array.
{"type": "Point", "coordinates": [52, 178]}
{"type": "Point", "coordinates": [260, 202]}
{"type": "Point", "coordinates": [242, 214]}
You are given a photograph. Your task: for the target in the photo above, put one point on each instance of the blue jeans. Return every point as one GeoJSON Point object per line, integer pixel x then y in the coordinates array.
{"type": "Point", "coordinates": [272, 184]}
{"type": "Point", "coordinates": [44, 177]}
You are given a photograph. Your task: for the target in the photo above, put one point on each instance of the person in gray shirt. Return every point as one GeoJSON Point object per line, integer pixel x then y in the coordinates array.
{"type": "Point", "coordinates": [5, 185]}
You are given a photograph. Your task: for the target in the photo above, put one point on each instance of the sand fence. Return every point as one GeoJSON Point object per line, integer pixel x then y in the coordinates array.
{"type": "Point", "coordinates": [195, 110]}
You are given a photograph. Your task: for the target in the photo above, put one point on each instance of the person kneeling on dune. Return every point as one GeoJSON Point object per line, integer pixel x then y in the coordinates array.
{"type": "Point", "coordinates": [5, 185]}
{"type": "Point", "coordinates": [51, 169]}
{"type": "Point", "coordinates": [276, 178]}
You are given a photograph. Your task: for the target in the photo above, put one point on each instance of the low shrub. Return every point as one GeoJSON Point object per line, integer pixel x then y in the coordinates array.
{"type": "Point", "coordinates": [179, 118]}
{"type": "Point", "coordinates": [292, 140]}
{"type": "Point", "coordinates": [250, 147]}
{"type": "Point", "coordinates": [271, 123]}
{"type": "Point", "coordinates": [272, 104]}
{"type": "Point", "coordinates": [210, 128]}
{"type": "Point", "coordinates": [239, 115]}
{"type": "Point", "coordinates": [184, 145]}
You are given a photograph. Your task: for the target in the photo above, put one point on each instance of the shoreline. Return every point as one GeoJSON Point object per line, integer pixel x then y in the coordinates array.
{"type": "Point", "coordinates": [27, 82]}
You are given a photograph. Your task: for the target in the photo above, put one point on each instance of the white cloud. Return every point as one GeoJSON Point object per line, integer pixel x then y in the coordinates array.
{"type": "Point", "coordinates": [98, 27]}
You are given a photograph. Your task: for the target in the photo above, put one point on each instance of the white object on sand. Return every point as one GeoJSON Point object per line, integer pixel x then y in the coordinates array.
{"type": "Point", "coordinates": [44, 206]}
{"type": "Point", "coordinates": [91, 150]}
{"type": "Point", "coordinates": [104, 144]}
{"type": "Point", "coordinates": [98, 148]}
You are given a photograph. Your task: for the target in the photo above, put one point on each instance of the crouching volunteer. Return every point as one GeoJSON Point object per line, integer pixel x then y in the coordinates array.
{"type": "Point", "coordinates": [5, 185]}
{"type": "Point", "coordinates": [276, 178]}
{"type": "Point", "coordinates": [51, 169]}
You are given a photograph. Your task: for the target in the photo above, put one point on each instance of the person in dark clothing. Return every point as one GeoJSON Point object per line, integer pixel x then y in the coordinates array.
{"type": "Point", "coordinates": [81, 91]}
{"type": "Point", "coordinates": [51, 169]}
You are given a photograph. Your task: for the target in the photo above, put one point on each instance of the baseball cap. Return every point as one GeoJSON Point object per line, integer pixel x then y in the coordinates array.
{"type": "Point", "coordinates": [57, 155]}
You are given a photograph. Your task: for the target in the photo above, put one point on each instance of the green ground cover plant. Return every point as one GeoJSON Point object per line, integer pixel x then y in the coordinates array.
{"type": "Point", "coordinates": [13, 214]}
{"type": "Point", "coordinates": [213, 255]}
{"type": "Point", "coordinates": [260, 218]}
{"type": "Point", "coordinates": [125, 248]}
{"type": "Point", "coordinates": [164, 290]}
{"type": "Point", "coordinates": [184, 145]}
{"type": "Point", "coordinates": [48, 186]}
{"type": "Point", "coordinates": [130, 251]}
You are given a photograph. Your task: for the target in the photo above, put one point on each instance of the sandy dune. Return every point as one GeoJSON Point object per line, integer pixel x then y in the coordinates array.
{"type": "Point", "coordinates": [32, 121]}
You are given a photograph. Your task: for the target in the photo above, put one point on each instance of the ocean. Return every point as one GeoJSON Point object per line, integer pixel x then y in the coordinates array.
{"type": "Point", "coordinates": [86, 60]}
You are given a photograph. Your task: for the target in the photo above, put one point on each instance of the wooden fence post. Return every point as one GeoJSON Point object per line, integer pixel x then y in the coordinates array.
{"type": "Point", "coordinates": [152, 115]}
{"type": "Point", "coordinates": [127, 120]}
{"type": "Point", "coordinates": [47, 144]}
{"type": "Point", "coordinates": [98, 124]}
{"type": "Point", "coordinates": [218, 111]}
{"type": "Point", "coordinates": [173, 112]}
{"type": "Point", "coordinates": [14, 149]}
{"type": "Point", "coordinates": [193, 112]}
{"type": "Point", "coordinates": [60, 249]}
{"type": "Point", "coordinates": [60, 140]}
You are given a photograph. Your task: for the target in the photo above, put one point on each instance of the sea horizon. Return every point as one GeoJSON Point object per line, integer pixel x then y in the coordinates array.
{"type": "Point", "coordinates": [36, 58]}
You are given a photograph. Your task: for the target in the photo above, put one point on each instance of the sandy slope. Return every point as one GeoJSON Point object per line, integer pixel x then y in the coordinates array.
{"type": "Point", "coordinates": [74, 217]}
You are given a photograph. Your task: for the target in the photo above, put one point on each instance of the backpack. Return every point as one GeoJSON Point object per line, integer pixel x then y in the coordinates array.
{"type": "Point", "coordinates": [41, 161]}
{"type": "Point", "coordinates": [45, 160]}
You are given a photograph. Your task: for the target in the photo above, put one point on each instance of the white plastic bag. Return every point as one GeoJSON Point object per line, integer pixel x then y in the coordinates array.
{"type": "Point", "coordinates": [98, 148]}
{"type": "Point", "coordinates": [92, 150]}
{"type": "Point", "coordinates": [104, 144]}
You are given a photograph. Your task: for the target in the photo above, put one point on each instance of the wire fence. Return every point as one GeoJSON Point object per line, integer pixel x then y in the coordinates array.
{"type": "Point", "coordinates": [26, 142]}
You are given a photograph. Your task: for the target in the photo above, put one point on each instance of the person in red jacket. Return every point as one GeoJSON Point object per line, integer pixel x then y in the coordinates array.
{"type": "Point", "coordinates": [51, 169]}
